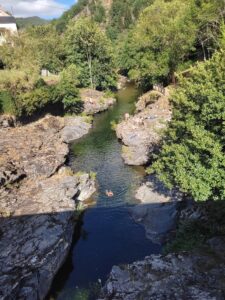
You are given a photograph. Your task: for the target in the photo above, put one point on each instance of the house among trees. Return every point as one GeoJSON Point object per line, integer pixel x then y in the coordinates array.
{"type": "Point", "coordinates": [7, 25]}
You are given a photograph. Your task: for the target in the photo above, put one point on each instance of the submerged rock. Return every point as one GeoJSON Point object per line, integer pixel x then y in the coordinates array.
{"type": "Point", "coordinates": [196, 275]}
{"type": "Point", "coordinates": [141, 133]}
{"type": "Point", "coordinates": [95, 101]}
{"type": "Point", "coordinates": [38, 199]}
{"type": "Point", "coordinates": [158, 209]}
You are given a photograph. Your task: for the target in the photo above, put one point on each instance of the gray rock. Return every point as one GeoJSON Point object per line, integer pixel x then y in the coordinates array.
{"type": "Point", "coordinates": [74, 128]}
{"type": "Point", "coordinates": [157, 219]}
{"type": "Point", "coordinates": [158, 209]}
{"type": "Point", "coordinates": [175, 276]}
{"type": "Point", "coordinates": [121, 82]}
{"type": "Point", "coordinates": [95, 101]}
{"type": "Point", "coordinates": [141, 133]}
{"type": "Point", "coordinates": [37, 204]}
{"type": "Point", "coordinates": [7, 121]}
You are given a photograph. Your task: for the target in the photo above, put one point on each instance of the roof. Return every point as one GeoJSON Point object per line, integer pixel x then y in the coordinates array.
{"type": "Point", "coordinates": [7, 20]}
{"type": "Point", "coordinates": [3, 13]}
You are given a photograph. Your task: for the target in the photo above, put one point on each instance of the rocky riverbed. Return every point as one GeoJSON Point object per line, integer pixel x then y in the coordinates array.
{"type": "Point", "coordinates": [38, 199]}
{"type": "Point", "coordinates": [141, 133]}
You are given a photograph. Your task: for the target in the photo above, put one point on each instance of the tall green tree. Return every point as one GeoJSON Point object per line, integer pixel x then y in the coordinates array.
{"type": "Point", "coordinates": [160, 42]}
{"type": "Point", "coordinates": [89, 49]}
{"type": "Point", "coordinates": [192, 156]}
{"type": "Point", "coordinates": [209, 16]}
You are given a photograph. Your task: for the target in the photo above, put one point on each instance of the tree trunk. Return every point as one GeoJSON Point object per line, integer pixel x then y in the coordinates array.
{"type": "Point", "coordinates": [203, 50]}
{"type": "Point", "coordinates": [90, 70]}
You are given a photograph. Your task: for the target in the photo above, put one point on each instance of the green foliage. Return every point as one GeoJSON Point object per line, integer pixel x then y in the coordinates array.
{"type": "Point", "coordinates": [162, 40]}
{"type": "Point", "coordinates": [88, 48]}
{"type": "Point", "coordinates": [36, 48]}
{"type": "Point", "coordinates": [6, 103]}
{"type": "Point", "coordinates": [209, 15]}
{"type": "Point", "coordinates": [67, 89]}
{"type": "Point", "coordinates": [191, 234]}
{"type": "Point", "coordinates": [123, 14]}
{"type": "Point", "coordinates": [67, 16]}
{"type": "Point", "coordinates": [98, 12]}
{"type": "Point", "coordinates": [113, 125]}
{"type": "Point", "coordinates": [192, 156]}
{"type": "Point", "coordinates": [24, 94]}
{"type": "Point", "coordinates": [32, 101]}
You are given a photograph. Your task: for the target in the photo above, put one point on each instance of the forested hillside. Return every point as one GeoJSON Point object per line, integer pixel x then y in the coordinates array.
{"type": "Point", "coordinates": [114, 15]}
{"type": "Point", "coordinates": [30, 21]}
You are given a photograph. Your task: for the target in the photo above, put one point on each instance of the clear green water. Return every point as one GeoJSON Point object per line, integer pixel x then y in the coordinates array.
{"type": "Point", "coordinates": [107, 235]}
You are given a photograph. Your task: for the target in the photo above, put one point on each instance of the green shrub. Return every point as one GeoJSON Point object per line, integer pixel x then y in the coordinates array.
{"type": "Point", "coordinates": [7, 105]}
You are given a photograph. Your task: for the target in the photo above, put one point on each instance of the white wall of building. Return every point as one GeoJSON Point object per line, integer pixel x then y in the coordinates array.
{"type": "Point", "coordinates": [10, 27]}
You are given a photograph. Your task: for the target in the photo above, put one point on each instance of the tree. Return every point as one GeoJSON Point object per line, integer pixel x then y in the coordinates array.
{"type": "Point", "coordinates": [209, 15]}
{"type": "Point", "coordinates": [88, 48]}
{"type": "Point", "coordinates": [192, 156]}
{"type": "Point", "coordinates": [68, 91]}
{"type": "Point", "coordinates": [160, 42]}
{"type": "Point", "coordinates": [16, 82]}
{"type": "Point", "coordinates": [35, 48]}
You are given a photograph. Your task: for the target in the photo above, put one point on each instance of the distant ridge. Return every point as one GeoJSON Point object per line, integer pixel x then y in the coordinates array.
{"type": "Point", "coordinates": [30, 21]}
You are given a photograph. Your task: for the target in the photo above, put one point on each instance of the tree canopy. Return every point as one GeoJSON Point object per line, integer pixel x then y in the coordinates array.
{"type": "Point", "coordinates": [90, 50]}
{"type": "Point", "coordinates": [192, 156]}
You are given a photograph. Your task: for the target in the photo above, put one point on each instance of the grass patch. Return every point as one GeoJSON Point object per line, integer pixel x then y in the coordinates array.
{"type": "Point", "coordinates": [113, 125]}
{"type": "Point", "coordinates": [6, 104]}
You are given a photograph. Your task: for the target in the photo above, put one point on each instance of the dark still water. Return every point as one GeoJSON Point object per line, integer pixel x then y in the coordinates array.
{"type": "Point", "coordinates": [107, 235]}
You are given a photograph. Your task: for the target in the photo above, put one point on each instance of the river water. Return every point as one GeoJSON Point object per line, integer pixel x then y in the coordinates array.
{"type": "Point", "coordinates": [106, 235]}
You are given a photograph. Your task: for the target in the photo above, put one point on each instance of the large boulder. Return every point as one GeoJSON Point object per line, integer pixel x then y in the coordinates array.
{"type": "Point", "coordinates": [38, 200]}
{"type": "Point", "coordinates": [141, 133]}
{"type": "Point", "coordinates": [95, 101]}
{"type": "Point", "coordinates": [196, 275]}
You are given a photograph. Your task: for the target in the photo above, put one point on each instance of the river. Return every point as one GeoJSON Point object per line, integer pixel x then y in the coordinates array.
{"type": "Point", "coordinates": [106, 234]}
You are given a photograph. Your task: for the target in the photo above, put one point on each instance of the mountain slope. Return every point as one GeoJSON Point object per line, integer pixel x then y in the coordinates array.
{"type": "Point", "coordinates": [115, 15]}
{"type": "Point", "coordinates": [30, 21]}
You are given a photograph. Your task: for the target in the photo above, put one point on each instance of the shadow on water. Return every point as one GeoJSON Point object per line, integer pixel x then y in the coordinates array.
{"type": "Point", "coordinates": [107, 235]}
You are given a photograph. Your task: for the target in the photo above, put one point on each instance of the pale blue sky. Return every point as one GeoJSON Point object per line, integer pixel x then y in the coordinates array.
{"type": "Point", "coordinates": [43, 8]}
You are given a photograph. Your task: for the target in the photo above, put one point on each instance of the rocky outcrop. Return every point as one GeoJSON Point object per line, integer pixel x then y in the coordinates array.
{"type": "Point", "coordinates": [122, 81]}
{"type": "Point", "coordinates": [38, 199]}
{"type": "Point", "coordinates": [196, 275]}
{"type": "Point", "coordinates": [158, 209]}
{"type": "Point", "coordinates": [95, 101]}
{"type": "Point", "coordinates": [141, 133]}
{"type": "Point", "coordinates": [7, 121]}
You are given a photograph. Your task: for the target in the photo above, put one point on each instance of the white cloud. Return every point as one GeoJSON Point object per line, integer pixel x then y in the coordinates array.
{"type": "Point", "coordinates": [41, 8]}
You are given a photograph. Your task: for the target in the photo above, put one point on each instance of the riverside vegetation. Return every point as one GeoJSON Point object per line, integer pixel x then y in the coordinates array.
{"type": "Point", "coordinates": [179, 42]}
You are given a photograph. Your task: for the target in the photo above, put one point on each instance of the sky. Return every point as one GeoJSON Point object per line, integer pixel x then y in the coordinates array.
{"type": "Point", "coordinates": [47, 9]}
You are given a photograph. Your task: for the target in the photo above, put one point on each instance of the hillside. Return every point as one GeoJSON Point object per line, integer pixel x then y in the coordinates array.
{"type": "Point", "coordinates": [30, 21]}
{"type": "Point", "coordinates": [115, 15]}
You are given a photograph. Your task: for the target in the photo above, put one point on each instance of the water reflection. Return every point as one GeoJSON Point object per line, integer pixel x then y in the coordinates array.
{"type": "Point", "coordinates": [108, 235]}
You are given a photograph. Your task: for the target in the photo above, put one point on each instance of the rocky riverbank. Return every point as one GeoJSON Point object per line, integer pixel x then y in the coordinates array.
{"type": "Point", "coordinates": [158, 209]}
{"type": "Point", "coordinates": [141, 133]}
{"type": "Point", "coordinates": [38, 199]}
{"type": "Point", "coordinates": [95, 101]}
{"type": "Point", "coordinates": [195, 275]}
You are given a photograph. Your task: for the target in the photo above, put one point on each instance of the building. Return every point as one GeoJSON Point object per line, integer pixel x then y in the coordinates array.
{"type": "Point", "coordinates": [7, 25]}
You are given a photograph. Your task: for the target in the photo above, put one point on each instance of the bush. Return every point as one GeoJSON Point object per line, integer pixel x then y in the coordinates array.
{"type": "Point", "coordinates": [34, 100]}
{"type": "Point", "coordinates": [192, 156]}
